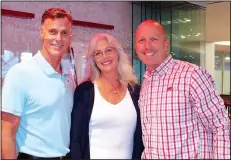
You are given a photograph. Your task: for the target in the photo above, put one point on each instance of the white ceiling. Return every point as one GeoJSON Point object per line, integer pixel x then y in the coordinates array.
{"type": "Point", "coordinates": [217, 24]}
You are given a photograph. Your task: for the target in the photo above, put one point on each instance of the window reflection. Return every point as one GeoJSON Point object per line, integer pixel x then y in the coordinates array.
{"type": "Point", "coordinates": [222, 71]}
{"type": "Point", "coordinates": [226, 78]}
{"type": "Point", "coordinates": [8, 60]}
{"type": "Point", "coordinates": [184, 28]}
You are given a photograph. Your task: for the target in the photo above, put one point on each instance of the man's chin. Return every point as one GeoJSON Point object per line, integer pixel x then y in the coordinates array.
{"type": "Point", "coordinates": [146, 61]}
{"type": "Point", "coordinates": [57, 53]}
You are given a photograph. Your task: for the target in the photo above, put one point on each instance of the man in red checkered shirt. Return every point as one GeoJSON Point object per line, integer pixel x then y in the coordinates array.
{"type": "Point", "coordinates": [182, 114]}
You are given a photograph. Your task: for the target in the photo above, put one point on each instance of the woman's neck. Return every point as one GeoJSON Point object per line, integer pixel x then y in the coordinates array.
{"type": "Point", "coordinates": [109, 79]}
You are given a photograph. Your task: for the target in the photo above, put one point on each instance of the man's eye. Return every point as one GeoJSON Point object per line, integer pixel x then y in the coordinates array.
{"type": "Point", "coordinates": [53, 32]}
{"type": "Point", "coordinates": [141, 40]}
{"type": "Point", "coordinates": [64, 33]}
{"type": "Point", "coordinates": [154, 39]}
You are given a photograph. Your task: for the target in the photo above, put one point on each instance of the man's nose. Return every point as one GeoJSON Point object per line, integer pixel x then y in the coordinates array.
{"type": "Point", "coordinates": [58, 37]}
{"type": "Point", "coordinates": [147, 45]}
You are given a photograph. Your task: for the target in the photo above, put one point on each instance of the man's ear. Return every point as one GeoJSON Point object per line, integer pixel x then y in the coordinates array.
{"type": "Point", "coordinates": [41, 32]}
{"type": "Point", "coordinates": [167, 44]}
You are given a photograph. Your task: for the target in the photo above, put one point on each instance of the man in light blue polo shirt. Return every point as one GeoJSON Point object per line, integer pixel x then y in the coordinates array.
{"type": "Point", "coordinates": [36, 99]}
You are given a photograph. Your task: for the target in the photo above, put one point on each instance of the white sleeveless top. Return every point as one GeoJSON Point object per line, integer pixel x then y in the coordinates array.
{"type": "Point", "coordinates": [111, 128]}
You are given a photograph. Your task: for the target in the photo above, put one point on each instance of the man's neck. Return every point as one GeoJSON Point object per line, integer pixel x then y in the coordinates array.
{"type": "Point", "coordinates": [53, 61]}
{"type": "Point", "coordinates": [151, 68]}
{"type": "Point", "coordinates": [155, 66]}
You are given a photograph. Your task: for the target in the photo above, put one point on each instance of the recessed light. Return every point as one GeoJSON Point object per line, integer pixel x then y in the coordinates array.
{"type": "Point", "coordinates": [226, 43]}
{"type": "Point", "coordinates": [187, 20]}
{"type": "Point", "coordinates": [182, 36]}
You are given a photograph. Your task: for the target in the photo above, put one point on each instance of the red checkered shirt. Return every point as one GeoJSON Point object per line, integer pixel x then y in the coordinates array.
{"type": "Point", "coordinates": [182, 114]}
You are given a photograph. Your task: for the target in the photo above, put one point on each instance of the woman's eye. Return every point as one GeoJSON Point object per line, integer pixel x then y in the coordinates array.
{"type": "Point", "coordinates": [109, 50]}
{"type": "Point", "coordinates": [97, 53]}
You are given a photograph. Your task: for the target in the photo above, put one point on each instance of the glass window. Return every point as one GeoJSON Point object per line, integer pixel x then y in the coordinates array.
{"type": "Point", "coordinates": [226, 79]}
{"type": "Point", "coordinates": [136, 9]}
{"type": "Point", "coordinates": [184, 28]}
{"type": "Point", "coordinates": [222, 71]}
{"type": "Point", "coordinates": [218, 71]}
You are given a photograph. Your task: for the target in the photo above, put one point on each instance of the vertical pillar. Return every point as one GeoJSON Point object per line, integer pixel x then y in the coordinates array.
{"type": "Point", "coordinates": [209, 58]}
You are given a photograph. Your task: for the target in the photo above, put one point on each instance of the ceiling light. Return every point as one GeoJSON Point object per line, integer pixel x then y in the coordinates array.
{"type": "Point", "coordinates": [198, 34]}
{"type": "Point", "coordinates": [227, 58]}
{"type": "Point", "coordinates": [226, 43]}
{"type": "Point", "coordinates": [175, 21]}
{"type": "Point", "coordinates": [182, 36]}
{"type": "Point", "coordinates": [181, 21]}
{"type": "Point", "coordinates": [187, 20]}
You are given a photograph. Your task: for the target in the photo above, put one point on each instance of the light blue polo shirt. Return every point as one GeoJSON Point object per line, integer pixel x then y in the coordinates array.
{"type": "Point", "coordinates": [40, 95]}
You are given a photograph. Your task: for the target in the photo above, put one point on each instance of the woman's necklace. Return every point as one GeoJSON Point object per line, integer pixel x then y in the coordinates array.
{"type": "Point", "coordinates": [115, 90]}
{"type": "Point", "coordinates": [112, 89]}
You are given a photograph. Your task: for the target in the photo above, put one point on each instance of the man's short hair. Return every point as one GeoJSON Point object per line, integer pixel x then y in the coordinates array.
{"type": "Point", "coordinates": [54, 13]}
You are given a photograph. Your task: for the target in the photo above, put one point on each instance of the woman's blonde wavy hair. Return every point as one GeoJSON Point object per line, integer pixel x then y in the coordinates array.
{"type": "Point", "coordinates": [124, 68]}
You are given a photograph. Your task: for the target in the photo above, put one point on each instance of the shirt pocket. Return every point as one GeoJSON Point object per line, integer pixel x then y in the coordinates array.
{"type": "Point", "coordinates": [169, 104]}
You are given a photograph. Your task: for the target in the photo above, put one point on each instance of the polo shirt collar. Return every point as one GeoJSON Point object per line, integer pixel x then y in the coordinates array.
{"type": "Point", "coordinates": [44, 65]}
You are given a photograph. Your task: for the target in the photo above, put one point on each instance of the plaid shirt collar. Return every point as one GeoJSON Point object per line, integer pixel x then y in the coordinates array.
{"type": "Point", "coordinates": [161, 69]}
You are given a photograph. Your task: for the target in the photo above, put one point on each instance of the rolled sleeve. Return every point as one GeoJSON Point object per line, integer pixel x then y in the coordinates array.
{"type": "Point", "coordinates": [211, 111]}
{"type": "Point", "coordinates": [13, 96]}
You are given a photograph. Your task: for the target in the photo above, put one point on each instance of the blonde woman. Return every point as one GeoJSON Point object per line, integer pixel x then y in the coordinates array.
{"type": "Point", "coordinates": [105, 117]}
